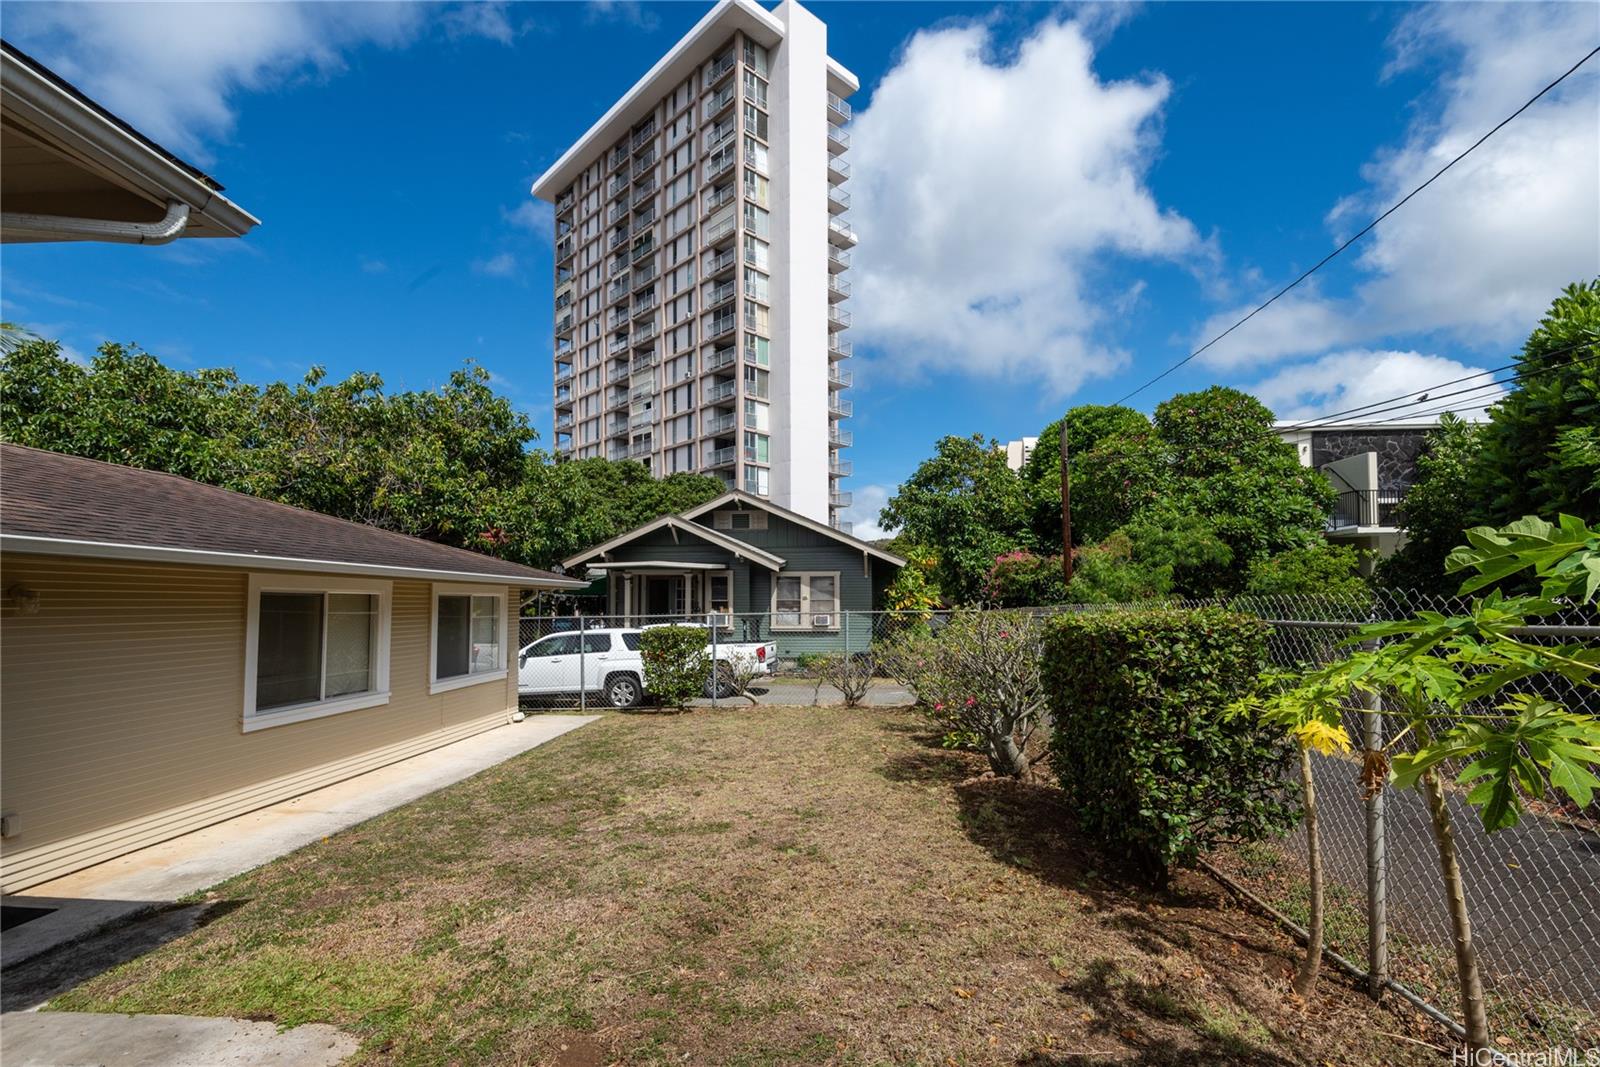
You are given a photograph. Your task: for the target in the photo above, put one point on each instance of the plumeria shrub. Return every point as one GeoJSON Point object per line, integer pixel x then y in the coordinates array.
{"type": "Point", "coordinates": [1144, 746]}
{"type": "Point", "coordinates": [675, 662]}
{"type": "Point", "coordinates": [850, 673]}
{"type": "Point", "coordinates": [979, 677]}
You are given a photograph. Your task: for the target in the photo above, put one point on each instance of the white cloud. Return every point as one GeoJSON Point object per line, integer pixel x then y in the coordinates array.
{"type": "Point", "coordinates": [485, 18]}
{"type": "Point", "coordinates": [374, 266]}
{"type": "Point", "coordinates": [626, 12]}
{"type": "Point", "coordinates": [1361, 377]}
{"type": "Point", "coordinates": [1481, 253]}
{"type": "Point", "coordinates": [503, 265]}
{"type": "Point", "coordinates": [986, 194]}
{"type": "Point", "coordinates": [535, 216]}
{"type": "Point", "coordinates": [866, 502]}
{"type": "Point", "coordinates": [175, 69]}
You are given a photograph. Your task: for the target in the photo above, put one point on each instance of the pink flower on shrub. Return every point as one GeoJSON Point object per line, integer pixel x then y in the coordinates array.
{"type": "Point", "coordinates": [971, 701]}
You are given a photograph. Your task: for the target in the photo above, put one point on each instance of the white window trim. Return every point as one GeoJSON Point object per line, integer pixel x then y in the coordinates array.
{"type": "Point", "coordinates": [253, 720]}
{"type": "Point", "coordinates": [437, 685]}
{"type": "Point", "coordinates": [805, 601]}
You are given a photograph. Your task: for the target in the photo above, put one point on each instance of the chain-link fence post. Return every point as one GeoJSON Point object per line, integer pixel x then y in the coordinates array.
{"type": "Point", "coordinates": [844, 621]}
{"type": "Point", "coordinates": [716, 667]}
{"type": "Point", "coordinates": [1377, 865]}
{"type": "Point", "coordinates": [583, 667]}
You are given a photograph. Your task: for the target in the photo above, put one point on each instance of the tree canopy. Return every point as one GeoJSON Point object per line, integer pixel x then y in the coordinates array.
{"type": "Point", "coordinates": [966, 504]}
{"type": "Point", "coordinates": [1087, 426]}
{"type": "Point", "coordinates": [451, 464]}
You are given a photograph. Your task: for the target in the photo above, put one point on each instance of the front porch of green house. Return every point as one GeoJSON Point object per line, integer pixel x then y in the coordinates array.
{"type": "Point", "coordinates": [801, 614]}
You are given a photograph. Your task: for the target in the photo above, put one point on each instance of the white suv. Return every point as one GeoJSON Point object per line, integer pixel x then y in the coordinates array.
{"type": "Point", "coordinates": [611, 665]}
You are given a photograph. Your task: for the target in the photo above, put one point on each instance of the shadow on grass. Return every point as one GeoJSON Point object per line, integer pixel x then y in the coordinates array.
{"type": "Point", "coordinates": [57, 970]}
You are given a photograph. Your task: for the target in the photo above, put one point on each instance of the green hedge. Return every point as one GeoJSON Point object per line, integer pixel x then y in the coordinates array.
{"type": "Point", "coordinates": [1150, 762]}
{"type": "Point", "coordinates": [675, 662]}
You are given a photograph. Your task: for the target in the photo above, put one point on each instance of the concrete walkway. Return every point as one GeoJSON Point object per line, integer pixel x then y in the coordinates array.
{"type": "Point", "coordinates": [110, 892]}
{"type": "Point", "coordinates": [79, 1039]}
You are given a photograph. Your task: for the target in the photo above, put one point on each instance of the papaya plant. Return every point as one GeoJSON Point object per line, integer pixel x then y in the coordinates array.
{"type": "Point", "coordinates": [1449, 679]}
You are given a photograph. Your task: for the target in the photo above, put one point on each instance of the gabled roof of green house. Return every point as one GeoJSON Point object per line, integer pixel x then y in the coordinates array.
{"type": "Point", "coordinates": [680, 524]}
{"type": "Point", "coordinates": [742, 499]}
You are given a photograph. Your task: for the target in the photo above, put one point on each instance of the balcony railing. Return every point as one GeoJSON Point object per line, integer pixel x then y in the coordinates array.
{"type": "Point", "coordinates": [841, 468]}
{"type": "Point", "coordinates": [723, 195]}
{"type": "Point", "coordinates": [643, 363]}
{"type": "Point", "coordinates": [642, 136]}
{"type": "Point", "coordinates": [838, 200]}
{"type": "Point", "coordinates": [619, 182]}
{"type": "Point", "coordinates": [644, 192]}
{"type": "Point", "coordinates": [720, 390]}
{"type": "Point", "coordinates": [644, 217]}
{"type": "Point", "coordinates": [641, 251]}
{"type": "Point", "coordinates": [564, 324]}
{"type": "Point", "coordinates": [838, 260]}
{"type": "Point", "coordinates": [718, 230]}
{"type": "Point", "coordinates": [619, 288]}
{"type": "Point", "coordinates": [644, 332]}
{"type": "Point", "coordinates": [838, 349]}
{"type": "Point", "coordinates": [617, 213]}
{"type": "Point", "coordinates": [838, 289]}
{"type": "Point", "coordinates": [619, 156]}
{"type": "Point", "coordinates": [617, 344]}
{"type": "Point", "coordinates": [838, 169]}
{"type": "Point", "coordinates": [720, 358]}
{"type": "Point", "coordinates": [563, 347]}
{"type": "Point", "coordinates": [720, 295]}
{"type": "Point", "coordinates": [720, 134]}
{"type": "Point", "coordinates": [840, 379]}
{"type": "Point", "coordinates": [619, 237]}
{"type": "Point", "coordinates": [723, 98]}
{"type": "Point", "coordinates": [723, 324]}
{"type": "Point", "coordinates": [839, 500]}
{"type": "Point", "coordinates": [563, 374]}
{"type": "Point", "coordinates": [842, 526]}
{"type": "Point", "coordinates": [841, 438]}
{"type": "Point", "coordinates": [838, 405]}
{"type": "Point", "coordinates": [644, 275]}
{"type": "Point", "coordinates": [564, 249]}
{"type": "Point", "coordinates": [719, 68]}
{"type": "Point", "coordinates": [564, 202]}
{"type": "Point", "coordinates": [644, 164]}
{"type": "Point", "coordinates": [564, 422]}
{"type": "Point", "coordinates": [640, 448]}
{"type": "Point", "coordinates": [837, 108]}
{"type": "Point", "coordinates": [721, 424]}
{"type": "Point", "coordinates": [838, 319]}
{"type": "Point", "coordinates": [720, 162]}
{"type": "Point", "coordinates": [640, 419]}
{"type": "Point", "coordinates": [721, 457]}
{"type": "Point", "coordinates": [840, 233]}
{"type": "Point", "coordinates": [838, 140]}
{"type": "Point", "coordinates": [1359, 508]}
{"type": "Point", "coordinates": [616, 400]}
{"type": "Point", "coordinates": [720, 262]}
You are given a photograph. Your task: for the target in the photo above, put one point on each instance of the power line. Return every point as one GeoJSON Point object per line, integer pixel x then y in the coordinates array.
{"type": "Point", "coordinates": [1363, 231]}
{"type": "Point", "coordinates": [1397, 403]}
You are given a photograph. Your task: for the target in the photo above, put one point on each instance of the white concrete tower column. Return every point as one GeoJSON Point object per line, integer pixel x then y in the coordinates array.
{"type": "Point", "coordinates": [800, 264]}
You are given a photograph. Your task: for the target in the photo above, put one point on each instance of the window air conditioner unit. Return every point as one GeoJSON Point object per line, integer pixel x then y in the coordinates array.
{"type": "Point", "coordinates": [721, 622]}
{"type": "Point", "coordinates": [822, 622]}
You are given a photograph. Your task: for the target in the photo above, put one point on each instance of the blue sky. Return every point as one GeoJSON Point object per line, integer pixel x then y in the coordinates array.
{"type": "Point", "coordinates": [1054, 202]}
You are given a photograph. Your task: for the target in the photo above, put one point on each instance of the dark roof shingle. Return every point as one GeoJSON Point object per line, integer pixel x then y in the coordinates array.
{"type": "Point", "coordinates": [50, 495]}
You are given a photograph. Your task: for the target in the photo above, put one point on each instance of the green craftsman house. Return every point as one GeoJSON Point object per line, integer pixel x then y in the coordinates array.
{"type": "Point", "coordinates": [757, 571]}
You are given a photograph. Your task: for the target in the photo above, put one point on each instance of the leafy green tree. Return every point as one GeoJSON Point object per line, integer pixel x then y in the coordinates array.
{"type": "Point", "coordinates": [1229, 467]}
{"type": "Point", "coordinates": [1087, 426]}
{"type": "Point", "coordinates": [1113, 482]}
{"type": "Point", "coordinates": [1022, 579]}
{"type": "Point", "coordinates": [1321, 569]}
{"type": "Point", "coordinates": [1541, 448]}
{"type": "Point", "coordinates": [966, 503]}
{"type": "Point", "coordinates": [1107, 573]}
{"type": "Point", "coordinates": [1438, 507]}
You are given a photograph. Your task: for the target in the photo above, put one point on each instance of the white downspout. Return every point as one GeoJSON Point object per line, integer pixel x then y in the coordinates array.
{"type": "Point", "coordinates": [17, 225]}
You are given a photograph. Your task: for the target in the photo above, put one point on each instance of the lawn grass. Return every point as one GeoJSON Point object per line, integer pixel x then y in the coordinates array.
{"type": "Point", "coordinates": [745, 886]}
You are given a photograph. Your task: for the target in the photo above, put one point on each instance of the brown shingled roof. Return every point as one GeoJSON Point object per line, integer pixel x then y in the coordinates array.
{"type": "Point", "coordinates": [60, 498]}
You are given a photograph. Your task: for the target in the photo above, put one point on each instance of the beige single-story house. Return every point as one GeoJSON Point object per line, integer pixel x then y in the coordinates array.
{"type": "Point", "coordinates": [173, 654]}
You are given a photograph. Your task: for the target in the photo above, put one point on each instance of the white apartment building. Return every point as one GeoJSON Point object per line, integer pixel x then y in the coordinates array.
{"type": "Point", "coordinates": [700, 253]}
{"type": "Point", "coordinates": [1018, 451]}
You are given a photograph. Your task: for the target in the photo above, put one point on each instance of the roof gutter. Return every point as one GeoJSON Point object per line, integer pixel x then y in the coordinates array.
{"type": "Point", "coordinates": [42, 104]}
{"type": "Point", "coordinates": [22, 226]}
{"type": "Point", "coordinates": [59, 546]}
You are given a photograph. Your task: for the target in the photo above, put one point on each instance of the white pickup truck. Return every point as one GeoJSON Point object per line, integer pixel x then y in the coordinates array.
{"type": "Point", "coordinates": [612, 666]}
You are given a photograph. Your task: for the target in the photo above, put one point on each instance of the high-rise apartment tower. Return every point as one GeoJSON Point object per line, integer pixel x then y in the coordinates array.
{"type": "Point", "coordinates": [700, 256]}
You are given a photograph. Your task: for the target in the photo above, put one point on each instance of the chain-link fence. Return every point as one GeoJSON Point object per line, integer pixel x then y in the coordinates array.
{"type": "Point", "coordinates": [1533, 889]}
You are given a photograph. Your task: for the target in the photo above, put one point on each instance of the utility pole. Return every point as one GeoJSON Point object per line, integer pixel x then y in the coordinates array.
{"type": "Point", "coordinates": [1066, 510]}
